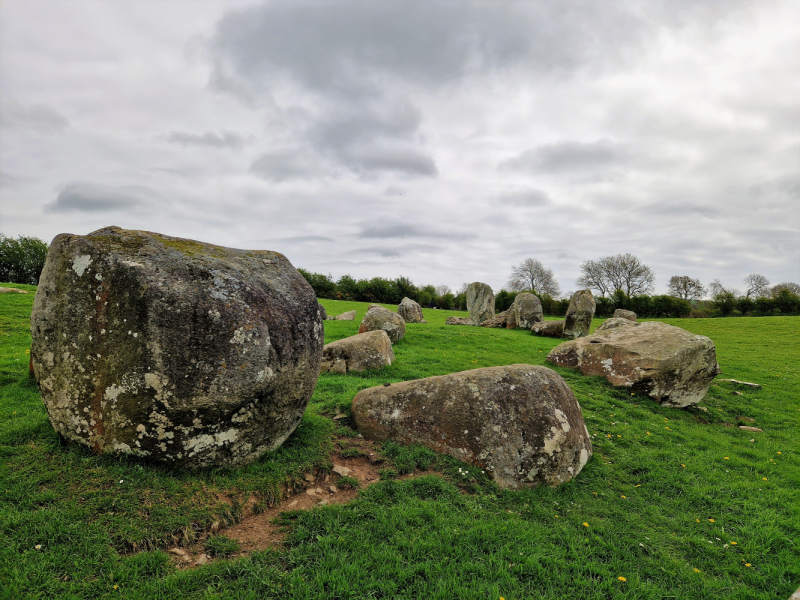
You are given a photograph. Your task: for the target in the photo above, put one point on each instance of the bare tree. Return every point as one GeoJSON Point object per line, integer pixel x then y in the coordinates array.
{"type": "Point", "coordinates": [441, 290]}
{"type": "Point", "coordinates": [715, 288]}
{"type": "Point", "coordinates": [786, 285]}
{"type": "Point", "coordinates": [620, 272]}
{"type": "Point", "coordinates": [756, 285]}
{"type": "Point", "coordinates": [532, 275]}
{"type": "Point", "coordinates": [683, 286]}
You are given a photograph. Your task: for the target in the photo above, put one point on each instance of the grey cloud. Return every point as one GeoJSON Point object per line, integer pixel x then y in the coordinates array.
{"type": "Point", "coordinates": [394, 190]}
{"type": "Point", "coordinates": [36, 117]}
{"type": "Point", "coordinates": [531, 197]}
{"type": "Point", "coordinates": [397, 251]}
{"type": "Point", "coordinates": [409, 230]}
{"type": "Point", "coordinates": [91, 197]}
{"type": "Point", "coordinates": [298, 239]}
{"type": "Point", "coordinates": [681, 209]}
{"type": "Point", "coordinates": [405, 160]}
{"type": "Point", "coordinates": [569, 156]}
{"type": "Point", "coordinates": [284, 165]}
{"type": "Point", "coordinates": [226, 139]}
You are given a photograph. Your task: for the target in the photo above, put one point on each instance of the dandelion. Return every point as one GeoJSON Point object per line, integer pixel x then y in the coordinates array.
{"type": "Point", "coordinates": [733, 543]}
{"type": "Point", "coordinates": [619, 436]}
{"type": "Point", "coordinates": [639, 485]}
{"type": "Point", "coordinates": [727, 458]}
{"type": "Point", "coordinates": [116, 587]}
{"type": "Point", "coordinates": [711, 521]}
{"type": "Point", "coordinates": [747, 565]}
{"type": "Point", "coordinates": [698, 520]}
{"type": "Point", "coordinates": [683, 465]}
{"type": "Point", "coordinates": [556, 516]}
{"type": "Point", "coordinates": [622, 578]}
{"type": "Point", "coordinates": [585, 524]}
{"type": "Point", "coordinates": [647, 432]}
{"type": "Point", "coordinates": [631, 393]}
{"type": "Point", "coordinates": [697, 570]}
{"type": "Point", "coordinates": [778, 452]}
{"type": "Point", "coordinates": [764, 478]}
{"type": "Point", "coordinates": [623, 496]}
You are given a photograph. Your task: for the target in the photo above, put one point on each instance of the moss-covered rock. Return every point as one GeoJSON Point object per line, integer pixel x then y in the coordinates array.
{"type": "Point", "coordinates": [580, 313]}
{"type": "Point", "coordinates": [522, 423]}
{"type": "Point", "coordinates": [174, 350]}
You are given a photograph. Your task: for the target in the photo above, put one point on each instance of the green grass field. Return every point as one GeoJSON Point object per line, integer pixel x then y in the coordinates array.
{"type": "Point", "coordinates": [673, 504]}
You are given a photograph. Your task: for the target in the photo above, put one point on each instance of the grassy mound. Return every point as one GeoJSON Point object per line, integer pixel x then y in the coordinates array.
{"type": "Point", "coordinates": [674, 503]}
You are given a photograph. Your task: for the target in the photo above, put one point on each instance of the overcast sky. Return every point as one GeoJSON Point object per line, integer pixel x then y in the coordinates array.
{"type": "Point", "coordinates": [443, 141]}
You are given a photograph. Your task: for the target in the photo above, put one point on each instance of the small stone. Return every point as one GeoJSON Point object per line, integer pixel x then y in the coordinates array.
{"type": "Point", "coordinates": [748, 428]}
{"type": "Point", "coordinates": [341, 470]}
{"type": "Point", "coordinates": [310, 478]}
{"type": "Point", "coordinates": [201, 560]}
{"type": "Point", "coordinates": [755, 386]}
{"type": "Point", "coordinates": [311, 492]}
{"type": "Point", "coordinates": [292, 503]}
{"type": "Point", "coordinates": [703, 408]}
{"type": "Point", "coordinates": [215, 527]}
{"type": "Point", "coordinates": [177, 551]}
{"type": "Point", "coordinates": [319, 490]}
{"type": "Point", "coordinates": [323, 502]}
{"type": "Point", "coordinates": [333, 489]}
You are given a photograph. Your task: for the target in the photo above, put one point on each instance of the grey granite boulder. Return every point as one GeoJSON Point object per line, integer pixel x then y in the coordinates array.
{"type": "Point", "coordinates": [553, 329]}
{"type": "Point", "coordinates": [500, 320]}
{"type": "Point", "coordinates": [410, 310]}
{"type": "Point", "coordinates": [621, 313]}
{"type": "Point", "coordinates": [458, 321]}
{"type": "Point", "coordinates": [579, 314]}
{"type": "Point", "coordinates": [370, 350]}
{"type": "Point", "coordinates": [669, 364]}
{"type": "Point", "coordinates": [174, 350]}
{"type": "Point", "coordinates": [350, 315]}
{"type": "Point", "coordinates": [378, 317]}
{"type": "Point", "coordinates": [527, 310]}
{"type": "Point", "coordinates": [480, 302]}
{"type": "Point", "coordinates": [521, 423]}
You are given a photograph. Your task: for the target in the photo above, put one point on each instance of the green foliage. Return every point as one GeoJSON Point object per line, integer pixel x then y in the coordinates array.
{"type": "Point", "coordinates": [22, 259]}
{"type": "Point", "coordinates": [643, 306]}
{"type": "Point", "coordinates": [346, 482]}
{"type": "Point", "coordinates": [219, 545]}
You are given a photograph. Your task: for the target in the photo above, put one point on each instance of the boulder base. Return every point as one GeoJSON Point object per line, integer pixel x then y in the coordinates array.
{"type": "Point", "coordinates": [350, 315]}
{"type": "Point", "coordinates": [378, 317]}
{"type": "Point", "coordinates": [410, 311]}
{"type": "Point", "coordinates": [527, 310]}
{"type": "Point", "coordinates": [621, 313]}
{"type": "Point", "coordinates": [669, 364]}
{"type": "Point", "coordinates": [522, 423]}
{"type": "Point", "coordinates": [500, 320]}
{"type": "Point", "coordinates": [480, 302]}
{"type": "Point", "coordinates": [548, 329]}
{"type": "Point", "coordinates": [174, 350]}
{"type": "Point", "coordinates": [580, 312]}
{"type": "Point", "coordinates": [457, 321]}
{"type": "Point", "coordinates": [370, 350]}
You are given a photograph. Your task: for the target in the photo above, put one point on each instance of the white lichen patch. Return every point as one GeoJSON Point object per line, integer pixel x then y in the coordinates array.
{"type": "Point", "coordinates": [80, 263]}
{"type": "Point", "coordinates": [562, 420]}
{"type": "Point", "coordinates": [113, 391]}
{"type": "Point", "coordinates": [205, 441]}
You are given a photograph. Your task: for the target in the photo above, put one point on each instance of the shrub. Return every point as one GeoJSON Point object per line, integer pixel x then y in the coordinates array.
{"type": "Point", "coordinates": [22, 259]}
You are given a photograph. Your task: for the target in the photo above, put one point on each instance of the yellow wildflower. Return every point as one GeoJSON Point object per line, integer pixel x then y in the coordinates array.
{"type": "Point", "coordinates": [622, 578]}
{"type": "Point", "coordinates": [747, 565]}
{"type": "Point", "coordinates": [764, 478]}
{"type": "Point", "coordinates": [733, 543]}
{"type": "Point", "coordinates": [712, 521]}
{"type": "Point", "coordinates": [683, 465]}
{"type": "Point", "coordinates": [697, 570]}
{"type": "Point", "coordinates": [585, 524]}
{"type": "Point", "coordinates": [623, 496]}
{"type": "Point", "coordinates": [727, 458]}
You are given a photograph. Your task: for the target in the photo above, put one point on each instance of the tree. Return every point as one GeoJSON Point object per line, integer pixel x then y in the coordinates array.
{"type": "Point", "coordinates": [532, 275]}
{"type": "Point", "coordinates": [686, 288]}
{"type": "Point", "coordinates": [756, 285]}
{"type": "Point", "coordinates": [715, 288]}
{"type": "Point", "coordinates": [620, 272]}
{"type": "Point", "coordinates": [22, 259]}
{"type": "Point", "coordinates": [441, 290]}
{"type": "Point", "coordinates": [792, 288]}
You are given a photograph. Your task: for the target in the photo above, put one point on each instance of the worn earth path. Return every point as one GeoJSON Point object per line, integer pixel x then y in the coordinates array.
{"type": "Point", "coordinates": [258, 531]}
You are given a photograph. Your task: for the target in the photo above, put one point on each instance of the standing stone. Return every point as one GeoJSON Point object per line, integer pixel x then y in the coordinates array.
{"type": "Point", "coordinates": [579, 314]}
{"type": "Point", "coordinates": [370, 350]}
{"type": "Point", "coordinates": [179, 351]}
{"type": "Point", "coordinates": [378, 317]}
{"type": "Point", "coordinates": [527, 310]}
{"type": "Point", "coordinates": [671, 365]}
{"type": "Point", "coordinates": [410, 310]}
{"type": "Point", "coordinates": [522, 423]}
{"type": "Point", "coordinates": [323, 312]}
{"type": "Point", "coordinates": [480, 302]}
{"type": "Point", "coordinates": [621, 313]}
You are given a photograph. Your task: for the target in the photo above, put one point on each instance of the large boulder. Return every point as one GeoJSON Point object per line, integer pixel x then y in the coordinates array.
{"type": "Point", "coordinates": [378, 317]}
{"type": "Point", "coordinates": [458, 321]}
{"type": "Point", "coordinates": [579, 314]}
{"type": "Point", "coordinates": [669, 364]}
{"type": "Point", "coordinates": [370, 350]}
{"type": "Point", "coordinates": [175, 350]}
{"type": "Point", "coordinates": [500, 320]}
{"type": "Point", "coordinates": [527, 310]}
{"type": "Point", "coordinates": [522, 423]}
{"type": "Point", "coordinates": [621, 313]}
{"type": "Point", "coordinates": [553, 329]}
{"type": "Point", "coordinates": [350, 315]}
{"type": "Point", "coordinates": [480, 302]}
{"type": "Point", "coordinates": [323, 312]}
{"type": "Point", "coordinates": [410, 310]}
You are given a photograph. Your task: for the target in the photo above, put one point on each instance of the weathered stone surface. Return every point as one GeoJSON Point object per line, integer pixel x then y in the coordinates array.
{"type": "Point", "coordinates": [621, 313]}
{"type": "Point", "coordinates": [480, 302]}
{"type": "Point", "coordinates": [350, 315]}
{"type": "Point", "coordinates": [669, 364]}
{"type": "Point", "coordinates": [370, 350]}
{"type": "Point", "coordinates": [527, 310]}
{"type": "Point", "coordinates": [171, 349]}
{"type": "Point", "coordinates": [323, 312]}
{"type": "Point", "coordinates": [548, 328]}
{"type": "Point", "coordinates": [378, 317]}
{"type": "Point", "coordinates": [410, 310]}
{"type": "Point", "coordinates": [579, 314]}
{"type": "Point", "coordinates": [522, 423]}
{"type": "Point", "coordinates": [457, 321]}
{"type": "Point", "coordinates": [511, 321]}
{"type": "Point", "coordinates": [500, 320]}
{"type": "Point", "coordinates": [613, 323]}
